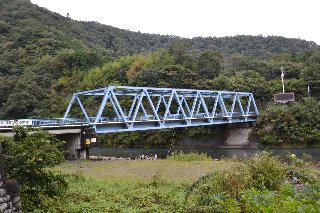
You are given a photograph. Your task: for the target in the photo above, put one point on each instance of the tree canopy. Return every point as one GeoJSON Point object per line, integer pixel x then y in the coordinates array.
{"type": "Point", "coordinates": [45, 57]}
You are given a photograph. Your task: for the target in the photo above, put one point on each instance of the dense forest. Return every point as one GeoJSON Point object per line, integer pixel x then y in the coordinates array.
{"type": "Point", "coordinates": [45, 57]}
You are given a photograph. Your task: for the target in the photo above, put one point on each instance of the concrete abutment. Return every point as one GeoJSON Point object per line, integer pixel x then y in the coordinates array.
{"type": "Point", "coordinates": [237, 135]}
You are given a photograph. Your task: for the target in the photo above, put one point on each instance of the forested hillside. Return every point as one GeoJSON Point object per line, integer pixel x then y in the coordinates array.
{"type": "Point", "coordinates": [45, 57]}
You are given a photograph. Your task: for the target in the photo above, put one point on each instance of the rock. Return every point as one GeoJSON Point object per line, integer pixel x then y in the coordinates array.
{"type": "Point", "coordinates": [12, 186]}
{"type": "Point", "coordinates": [16, 200]}
{"type": "Point", "coordinates": [2, 207]}
{"type": "Point", "coordinates": [17, 206]}
{"type": "Point", "coordinates": [2, 192]}
{"type": "Point", "coordinates": [5, 199]}
{"type": "Point", "coordinates": [9, 205]}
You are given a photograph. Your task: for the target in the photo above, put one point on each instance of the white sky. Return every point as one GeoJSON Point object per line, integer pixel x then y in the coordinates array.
{"type": "Point", "coordinates": [191, 18]}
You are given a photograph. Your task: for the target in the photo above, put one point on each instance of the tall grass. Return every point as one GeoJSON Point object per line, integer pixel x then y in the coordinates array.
{"type": "Point", "coordinates": [260, 184]}
{"type": "Point", "coordinates": [192, 156]}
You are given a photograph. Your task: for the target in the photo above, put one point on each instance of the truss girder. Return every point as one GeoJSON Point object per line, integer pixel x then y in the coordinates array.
{"type": "Point", "coordinates": [156, 108]}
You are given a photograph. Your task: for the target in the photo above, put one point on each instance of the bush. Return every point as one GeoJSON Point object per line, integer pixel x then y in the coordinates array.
{"type": "Point", "coordinates": [27, 156]}
{"type": "Point", "coordinates": [267, 171]}
{"type": "Point", "coordinates": [227, 184]}
{"type": "Point", "coordinates": [297, 124]}
{"type": "Point", "coordinates": [286, 200]}
{"type": "Point", "coordinates": [193, 156]}
{"type": "Point", "coordinates": [260, 184]}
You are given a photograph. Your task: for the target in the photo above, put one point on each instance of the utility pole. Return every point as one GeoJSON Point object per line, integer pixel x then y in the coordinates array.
{"type": "Point", "coordinates": [282, 76]}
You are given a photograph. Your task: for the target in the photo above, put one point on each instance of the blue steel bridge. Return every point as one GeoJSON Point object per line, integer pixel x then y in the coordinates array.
{"type": "Point", "coordinates": [124, 108]}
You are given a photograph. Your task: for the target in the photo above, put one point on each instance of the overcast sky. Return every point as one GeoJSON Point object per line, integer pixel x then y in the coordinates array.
{"type": "Point", "coordinates": [191, 18]}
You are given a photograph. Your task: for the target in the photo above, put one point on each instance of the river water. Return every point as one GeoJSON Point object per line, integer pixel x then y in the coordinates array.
{"type": "Point", "coordinates": [216, 153]}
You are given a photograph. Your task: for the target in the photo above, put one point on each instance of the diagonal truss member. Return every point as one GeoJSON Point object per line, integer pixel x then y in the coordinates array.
{"type": "Point", "coordinates": [124, 108]}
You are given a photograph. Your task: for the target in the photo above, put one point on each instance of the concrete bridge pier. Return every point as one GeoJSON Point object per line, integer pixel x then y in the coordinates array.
{"type": "Point", "coordinates": [78, 141]}
{"type": "Point", "coordinates": [237, 134]}
{"type": "Point", "coordinates": [73, 147]}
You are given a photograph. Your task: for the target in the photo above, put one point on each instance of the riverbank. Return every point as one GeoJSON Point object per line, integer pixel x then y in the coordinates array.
{"type": "Point", "coordinates": [189, 183]}
{"type": "Point", "coordinates": [215, 153]}
{"type": "Point", "coordinates": [142, 170]}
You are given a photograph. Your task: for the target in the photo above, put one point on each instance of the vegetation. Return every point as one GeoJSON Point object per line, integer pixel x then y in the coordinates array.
{"type": "Point", "coordinates": [295, 124]}
{"type": "Point", "coordinates": [193, 156]}
{"type": "Point", "coordinates": [27, 157]}
{"type": "Point", "coordinates": [260, 184]}
{"type": "Point", "coordinates": [45, 57]}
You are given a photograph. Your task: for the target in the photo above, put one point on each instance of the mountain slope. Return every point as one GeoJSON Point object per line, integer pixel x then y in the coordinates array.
{"type": "Point", "coordinates": [40, 49]}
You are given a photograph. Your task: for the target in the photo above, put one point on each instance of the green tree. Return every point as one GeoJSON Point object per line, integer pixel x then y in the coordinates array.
{"type": "Point", "coordinates": [311, 73]}
{"type": "Point", "coordinates": [25, 98]}
{"type": "Point", "coordinates": [28, 155]}
{"type": "Point", "coordinates": [209, 64]}
{"type": "Point", "coordinates": [297, 124]}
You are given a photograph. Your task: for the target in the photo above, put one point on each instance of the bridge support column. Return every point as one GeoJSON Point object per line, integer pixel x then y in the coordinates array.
{"type": "Point", "coordinates": [237, 135]}
{"type": "Point", "coordinates": [83, 153]}
{"type": "Point", "coordinates": [73, 146]}
{"type": "Point", "coordinates": [78, 142]}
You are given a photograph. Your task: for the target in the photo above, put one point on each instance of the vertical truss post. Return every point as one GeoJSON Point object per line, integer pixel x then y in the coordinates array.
{"type": "Point", "coordinates": [180, 105]}
{"type": "Point", "coordinates": [132, 105]}
{"type": "Point", "coordinates": [233, 104]}
{"type": "Point", "coordinates": [165, 104]}
{"type": "Point", "coordinates": [158, 104]}
{"type": "Point", "coordinates": [102, 105]}
{"type": "Point", "coordinates": [144, 110]}
{"type": "Point", "coordinates": [119, 107]}
{"type": "Point", "coordinates": [194, 104]}
{"type": "Point", "coordinates": [198, 107]}
{"type": "Point", "coordinates": [168, 105]}
{"type": "Point", "coordinates": [137, 107]}
{"type": "Point", "coordinates": [215, 105]}
{"type": "Point", "coordinates": [83, 110]}
{"type": "Point", "coordinates": [115, 108]}
{"type": "Point", "coordinates": [68, 108]}
{"type": "Point", "coordinates": [222, 105]}
{"type": "Point", "coordinates": [240, 105]}
{"type": "Point", "coordinates": [204, 105]}
{"type": "Point", "coordinates": [186, 103]}
{"type": "Point", "coordinates": [152, 107]}
{"type": "Point", "coordinates": [248, 106]}
{"type": "Point", "coordinates": [254, 105]}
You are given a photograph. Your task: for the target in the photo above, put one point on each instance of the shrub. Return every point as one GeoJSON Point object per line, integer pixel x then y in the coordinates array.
{"type": "Point", "coordinates": [27, 156]}
{"type": "Point", "coordinates": [297, 124]}
{"type": "Point", "coordinates": [267, 171]}
{"type": "Point", "coordinates": [193, 156]}
{"type": "Point", "coordinates": [219, 191]}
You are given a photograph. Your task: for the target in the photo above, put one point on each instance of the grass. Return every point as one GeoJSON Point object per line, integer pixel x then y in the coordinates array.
{"type": "Point", "coordinates": [173, 185]}
{"type": "Point", "coordinates": [129, 186]}
{"type": "Point", "coordinates": [143, 170]}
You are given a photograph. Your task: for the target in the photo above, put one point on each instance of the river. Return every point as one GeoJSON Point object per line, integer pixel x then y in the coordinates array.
{"type": "Point", "coordinates": [216, 153]}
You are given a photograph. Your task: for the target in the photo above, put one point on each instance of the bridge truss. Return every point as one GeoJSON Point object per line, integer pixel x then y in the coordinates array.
{"type": "Point", "coordinates": [123, 108]}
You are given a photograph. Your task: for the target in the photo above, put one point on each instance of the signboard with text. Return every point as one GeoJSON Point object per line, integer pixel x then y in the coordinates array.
{"type": "Point", "coordinates": [20, 122]}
